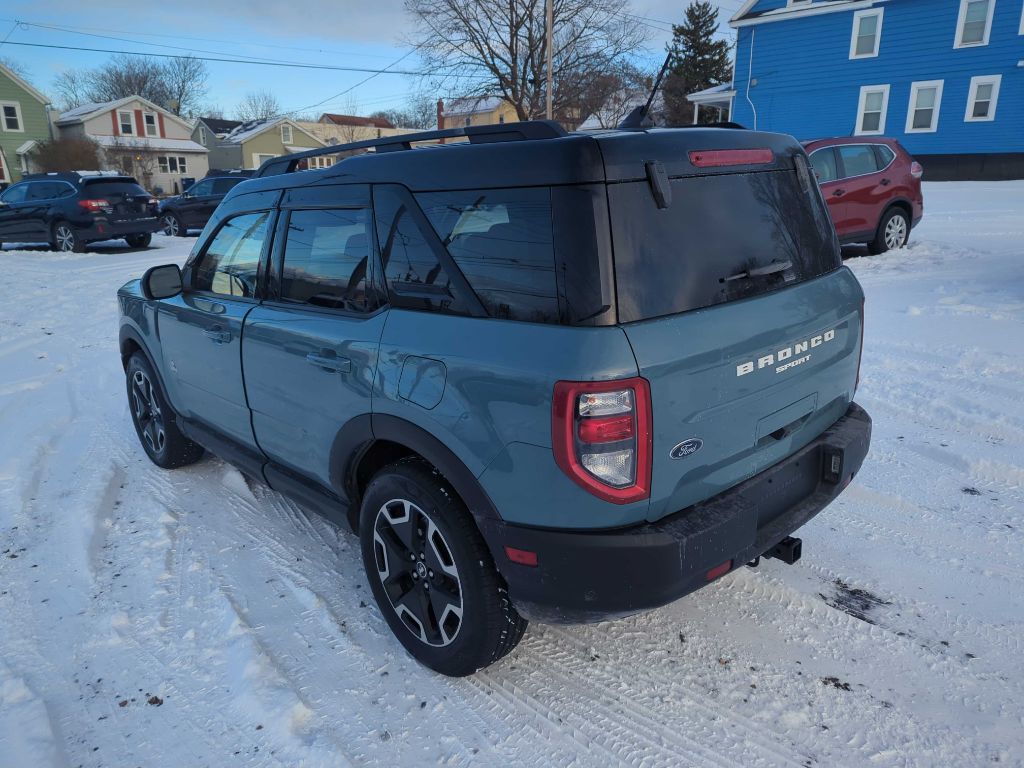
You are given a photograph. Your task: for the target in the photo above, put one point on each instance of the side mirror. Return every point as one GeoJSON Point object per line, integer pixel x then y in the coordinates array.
{"type": "Point", "coordinates": [162, 282]}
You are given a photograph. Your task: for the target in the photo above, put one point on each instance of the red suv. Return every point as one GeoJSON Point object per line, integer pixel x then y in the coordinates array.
{"type": "Point", "coordinates": [873, 189]}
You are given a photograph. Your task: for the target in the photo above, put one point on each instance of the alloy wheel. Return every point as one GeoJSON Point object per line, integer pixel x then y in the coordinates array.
{"type": "Point", "coordinates": [171, 226]}
{"type": "Point", "coordinates": [896, 232]}
{"type": "Point", "coordinates": [65, 238]}
{"type": "Point", "coordinates": [147, 412]}
{"type": "Point", "coordinates": [418, 572]}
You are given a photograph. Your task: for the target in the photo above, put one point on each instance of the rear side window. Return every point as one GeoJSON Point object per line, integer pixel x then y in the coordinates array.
{"type": "Point", "coordinates": [824, 163]}
{"type": "Point", "coordinates": [415, 277]}
{"type": "Point", "coordinates": [501, 241]}
{"type": "Point", "coordinates": [858, 160]}
{"type": "Point", "coordinates": [883, 155]}
{"type": "Point", "coordinates": [231, 261]}
{"type": "Point", "coordinates": [724, 237]}
{"type": "Point", "coordinates": [326, 256]}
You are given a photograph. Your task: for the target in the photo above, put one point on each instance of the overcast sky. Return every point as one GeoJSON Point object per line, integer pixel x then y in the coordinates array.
{"type": "Point", "coordinates": [367, 35]}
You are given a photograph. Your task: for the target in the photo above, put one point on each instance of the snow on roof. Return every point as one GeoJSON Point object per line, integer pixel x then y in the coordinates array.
{"type": "Point", "coordinates": [248, 129]}
{"type": "Point", "coordinates": [28, 146]}
{"type": "Point", "coordinates": [137, 142]}
{"type": "Point", "coordinates": [85, 110]}
{"type": "Point", "coordinates": [473, 105]}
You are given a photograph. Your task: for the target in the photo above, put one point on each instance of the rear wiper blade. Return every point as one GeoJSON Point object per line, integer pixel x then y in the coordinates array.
{"type": "Point", "coordinates": [770, 269]}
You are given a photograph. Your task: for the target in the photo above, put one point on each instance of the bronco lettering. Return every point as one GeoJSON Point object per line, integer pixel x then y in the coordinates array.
{"type": "Point", "coordinates": [786, 353]}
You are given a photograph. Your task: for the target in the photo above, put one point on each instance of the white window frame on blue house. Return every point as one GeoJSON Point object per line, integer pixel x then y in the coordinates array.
{"type": "Point", "coordinates": [961, 20]}
{"type": "Point", "coordinates": [864, 91]}
{"type": "Point", "coordinates": [916, 88]}
{"type": "Point", "coordinates": [972, 96]}
{"type": "Point", "coordinates": [855, 34]}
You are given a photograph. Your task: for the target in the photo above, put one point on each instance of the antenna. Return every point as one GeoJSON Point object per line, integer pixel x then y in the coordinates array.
{"type": "Point", "coordinates": [640, 117]}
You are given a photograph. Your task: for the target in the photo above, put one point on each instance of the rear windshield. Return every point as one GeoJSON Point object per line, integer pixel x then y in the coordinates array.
{"type": "Point", "coordinates": [126, 188]}
{"type": "Point", "coordinates": [723, 237]}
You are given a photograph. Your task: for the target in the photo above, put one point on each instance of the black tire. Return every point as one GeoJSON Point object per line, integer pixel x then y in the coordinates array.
{"type": "Point", "coordinates": [456, 566]}
{"type": "Point", "coordinates": [155, 420]}
{"type": "Point", "coordinates": [139, 241]}
{"type": "Point", "coordinates": [893, 232]}
{"type": "Point", "coordinates": [173, 225]}
{"type": "Point", "coordinates": [64, 238]}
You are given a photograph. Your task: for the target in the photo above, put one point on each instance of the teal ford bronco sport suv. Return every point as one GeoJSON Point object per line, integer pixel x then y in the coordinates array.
{"type": "Point", "coordinates": [546, 376]}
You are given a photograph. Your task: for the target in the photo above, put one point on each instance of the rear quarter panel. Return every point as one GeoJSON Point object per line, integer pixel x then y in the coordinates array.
{"type": "Point", "coordinates": [493, 407]}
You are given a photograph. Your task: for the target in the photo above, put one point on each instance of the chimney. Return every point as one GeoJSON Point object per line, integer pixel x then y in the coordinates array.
{"type": "Point", "coordinates": [440, 114]}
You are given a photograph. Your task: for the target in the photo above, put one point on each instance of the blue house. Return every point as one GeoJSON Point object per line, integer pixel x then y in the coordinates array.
{"type": "Point", "coordinates": [944, 77]}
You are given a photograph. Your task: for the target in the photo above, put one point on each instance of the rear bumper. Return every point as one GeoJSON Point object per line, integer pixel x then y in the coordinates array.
{"type": "Point", "coordinates": [109, 229]}
{"type": "Point", "coordinates": [585, 577]}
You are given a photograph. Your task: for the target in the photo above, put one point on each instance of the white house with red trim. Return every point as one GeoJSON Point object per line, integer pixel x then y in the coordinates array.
{"type": "Point", "coordinates": [140, 138]}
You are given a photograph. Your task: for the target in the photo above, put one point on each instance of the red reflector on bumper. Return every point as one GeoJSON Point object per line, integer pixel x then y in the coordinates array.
{"type": "Point", "coordinates": [718, 570]}
{"type": "Point", "coordinates": [714, 158]}
{"type": "Point", "coordinates": [522, 556]}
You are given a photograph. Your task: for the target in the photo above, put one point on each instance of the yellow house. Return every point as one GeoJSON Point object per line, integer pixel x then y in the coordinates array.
{"type": "Point", "coordinates": [476, 110]}
{"type": "Point", "coordinates": [261, 140]}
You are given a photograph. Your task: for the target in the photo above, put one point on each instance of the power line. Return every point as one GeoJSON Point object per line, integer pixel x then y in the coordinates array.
{"type": "Point", "coordinates": [265, 63]}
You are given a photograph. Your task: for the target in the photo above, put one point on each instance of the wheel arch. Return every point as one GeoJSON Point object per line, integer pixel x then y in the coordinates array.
{"type": "Point", "coordinates": [904, 205]}
{"type": "Point", "coordinates": [368, 443]}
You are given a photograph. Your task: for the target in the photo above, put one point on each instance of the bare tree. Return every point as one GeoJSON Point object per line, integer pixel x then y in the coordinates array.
{"type": "Point", "coordinates": [72, 153]}
{"type": "Point", "coordinates": [497, 47]}
{"type": "Point", "coordinates": [178, 85]}
{"type": "Point", "coordinates": [258, 105]}
{"type": "Point", "coordinates": [185, 80]}
{"type": "Point", "coordinates": [612, 96]}
{"type": "Point", "coordinates": [15, 66]}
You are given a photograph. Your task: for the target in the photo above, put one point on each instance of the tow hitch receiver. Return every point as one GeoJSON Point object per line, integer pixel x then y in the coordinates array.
{"type": "Point", "coordinates": [787, 550]}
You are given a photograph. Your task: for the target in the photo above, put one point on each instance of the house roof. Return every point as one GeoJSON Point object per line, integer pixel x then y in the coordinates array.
{"type": "Point", "coordinates": [88, 111]}
{"type": "Point", "coordinates": [41, 98]}
{"type": "Point", "coordinates": [219, 125]}
{"type": "Point", "coordinates": [138, 142]}
{"type": "Point", "coordinates": [748, 13]}
{"type": "Point", "coordinates": [252, 128]}
{"type": "Point", "coordinates": [713, 95]}
{"type": "Point", "coordinates": [473, 105]}
{"type": "Point", "coordinates": [368, 122]}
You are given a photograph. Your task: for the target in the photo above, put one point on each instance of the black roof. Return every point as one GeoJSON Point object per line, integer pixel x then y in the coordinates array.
{"type": "Point", "coordinates": [568, 158]}
{"type": "Point", "coordinates": [219, 125]}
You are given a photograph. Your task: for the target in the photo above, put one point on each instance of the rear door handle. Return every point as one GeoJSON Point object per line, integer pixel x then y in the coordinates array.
{"type": "Point", "coordinates": [217, 335]}
{"type": "Point", "coordinates": [839, 193]}
{"type": "Point", "coordinates": [885, 182]}
{"type": "Point", "coordinates": [330, 363]}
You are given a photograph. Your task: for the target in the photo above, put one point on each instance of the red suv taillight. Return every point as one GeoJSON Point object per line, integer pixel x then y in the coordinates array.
{"type": "Point", "coordinates": [601, 436]}
{"type": "Point", "coordinates": [95, 205]}
{"type": "Point", "coordinates": [916, 170]}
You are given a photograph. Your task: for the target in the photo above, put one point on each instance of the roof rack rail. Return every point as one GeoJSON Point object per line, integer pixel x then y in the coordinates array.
{"type": "Point", "coordinates": [477, 134]}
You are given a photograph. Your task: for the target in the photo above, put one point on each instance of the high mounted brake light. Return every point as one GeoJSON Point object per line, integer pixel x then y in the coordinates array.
{"type": "Point", "coordinates": [716, 158]}
{"type": "Point", "coordinates": [601, 436]}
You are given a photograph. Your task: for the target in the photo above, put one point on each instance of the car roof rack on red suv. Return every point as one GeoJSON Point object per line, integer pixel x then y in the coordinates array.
{"type": "Point", "coordinates": [477, 134]}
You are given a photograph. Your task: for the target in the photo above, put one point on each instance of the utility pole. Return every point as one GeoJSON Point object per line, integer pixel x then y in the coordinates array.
{"type": "Point", "coordinates": [551, 45]}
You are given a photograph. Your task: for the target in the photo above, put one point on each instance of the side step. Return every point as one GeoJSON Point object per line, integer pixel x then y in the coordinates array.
{"type": "Point", "coordinates": [788, 550]}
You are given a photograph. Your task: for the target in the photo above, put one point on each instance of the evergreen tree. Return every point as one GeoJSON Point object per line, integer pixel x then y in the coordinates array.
{"type": "Point", "coordinates": [698, 62]}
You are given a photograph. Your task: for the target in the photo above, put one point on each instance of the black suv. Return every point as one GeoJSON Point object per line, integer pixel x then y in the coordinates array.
{"type": "Point", "coordinates": [194, 207]}
{"type": "Point", "coordinates": [69, 210]}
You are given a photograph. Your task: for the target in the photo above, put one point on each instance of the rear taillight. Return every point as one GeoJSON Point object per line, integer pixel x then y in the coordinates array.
{"type": "Point", "coordinates": [860, 352]}
{"type": "Point", "coordinates": [715, 158]}
{"type": "Point", "coordinates": [916, 170]}
{"type": "Point", "coordinates": [601, 436]}
{"type": "Point", "coordinates": [95, 205]}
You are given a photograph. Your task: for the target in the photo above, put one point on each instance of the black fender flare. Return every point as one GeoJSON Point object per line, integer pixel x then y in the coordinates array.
{"type": "Point", "coordinates": [358, 436]}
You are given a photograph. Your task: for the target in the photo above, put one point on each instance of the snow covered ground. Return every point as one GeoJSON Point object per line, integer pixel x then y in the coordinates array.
{"type": "Point", "coordinates": [192, 618]}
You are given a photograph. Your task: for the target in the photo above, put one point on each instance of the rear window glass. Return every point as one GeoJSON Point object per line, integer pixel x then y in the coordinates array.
{"type": "Point", "coordinates": [724, 237]}
{"type": "Point", "coordinates": [114, 188]}
{"type": "Point", "coordinates": [501, 241]}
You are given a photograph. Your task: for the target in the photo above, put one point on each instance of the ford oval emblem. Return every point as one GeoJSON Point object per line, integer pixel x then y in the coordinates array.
{"type": "Point", "coordinates": [686, 448]}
